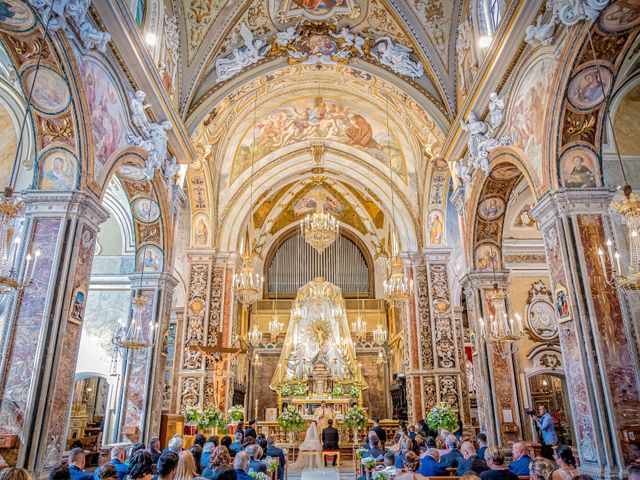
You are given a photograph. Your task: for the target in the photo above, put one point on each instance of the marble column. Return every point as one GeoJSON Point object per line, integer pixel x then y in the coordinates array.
{"type": "Point", "coordinates": [595, 336]}
{"type": "Point", "coordinates": [437, 349]}
{"type": "Point", "coordinates": [141, 401]}
{"type": "Point", "coordinates": [499, 406]}
{"type": "Point", "coordinates": [37, 383]}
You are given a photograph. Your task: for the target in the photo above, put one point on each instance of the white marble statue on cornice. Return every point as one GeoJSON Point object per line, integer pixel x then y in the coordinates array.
{"type": "Point", "coordinates": [284, 38]}
{"type": "Point", "coordinates": [397, 57]}
{"type": "Point", "coordinates": [567, 12]}
{"type": "Point", "coordinates": [59, 10]}
{"type": "Point", "coordinates": [138, 109]}
{"type": "Point", "coordinates": [241, 57]}
{"type": "Point", "coordinates": [350, 39]}
{"type": "Point", "coordinates": [155, 146]}
{"type": "Point", "coordinates": [482, 138]}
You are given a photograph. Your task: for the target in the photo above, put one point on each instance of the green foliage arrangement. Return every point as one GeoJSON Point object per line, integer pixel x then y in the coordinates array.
{"type": "Point", "coordinates": [286, 390]}
{"type": "Point", "coordinates": [442, 416]}
{"type": "Point", "coordinates": [355, 417]}
{"type": "Point", "coordinates": [300, 390]}
{"type": "Point", "coordinates": [338, 389]}
{"type": "Point", "coordinates": [291, 421]}
{"type": "Point", "coordinates": [236, 413]}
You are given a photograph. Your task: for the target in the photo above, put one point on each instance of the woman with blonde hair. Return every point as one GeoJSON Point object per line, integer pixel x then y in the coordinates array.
{"type": "Point", "coordinates": [186, 467]}
{"type": "Point", "coordinates": [411, 463]}
{"type": "Point", "coordinates": [541, 469]}
{"type": "Point", "coordinates": [13, 473]}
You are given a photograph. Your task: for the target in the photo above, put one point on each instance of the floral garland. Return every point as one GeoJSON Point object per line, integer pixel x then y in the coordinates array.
{"type": "Point", "coordinates": [236, 413]}
{"type": "Point", "coordinates": [355, 417]}
{"type": "Point", "coordinates": [442, 416]}
{"type": "Point", "coordinates": [368, 462]}
{"type": "Point", "coordinates": [290, 420]}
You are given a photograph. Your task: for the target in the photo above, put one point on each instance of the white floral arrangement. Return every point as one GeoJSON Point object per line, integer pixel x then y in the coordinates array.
{"type": "Point", "coordinates": [379, 475]}
{"type": "Point", "coordinates": [442, 416]}
{"type": "Point", "coordinates": [368, 462]}
{"type": "Point", "coordinates": [258, 475]}
{"type": "Point", "coordinates": [236, 413]}
{"type": "Point", "coordinates": [271, 463]}
{"type": "Point", "coordinates": [355, 417]}
{"type": "Point", "coordinates": [360, 452]}
{"type": "Point", "coordinates": [290, 420]}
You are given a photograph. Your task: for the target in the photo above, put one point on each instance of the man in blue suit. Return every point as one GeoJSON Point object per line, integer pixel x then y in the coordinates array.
{"type": "Point", "coordinates": [481, 439]}
{"type": "Point", "coordinates": [117, 460]}
{"type": "Point", "coordinates": [77, 461]}
{"type": "Point", "coordinates": [470, 460]}
{"type": "Point", "coordinates": [255, 453]}
{"type": "Point", "coordinates": [275, 452]}
{"type": "Point", "coordinates": [241, 466]}
{"type": "Point", "coordinates": [453, 456]}
{"type": "Point", "coordinates": [236, 446]}
{"type": "Point", "coordinates": [521, 461]}
{"type": "Point", "coordinates": [429, 466]}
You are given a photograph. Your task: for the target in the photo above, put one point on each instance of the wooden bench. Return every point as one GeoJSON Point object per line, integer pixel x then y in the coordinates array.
{"type": "Point", "coordinates": [331, 453]}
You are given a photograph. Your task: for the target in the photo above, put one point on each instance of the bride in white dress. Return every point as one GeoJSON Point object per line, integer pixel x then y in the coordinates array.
{"type": "Point", "coordinates": [310, 450]}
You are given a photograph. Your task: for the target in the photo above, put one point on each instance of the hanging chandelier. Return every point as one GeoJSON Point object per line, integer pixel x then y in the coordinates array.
{"type": "Point", "coordinates": [398, 287]}
{"type": "Point", "coordinates": [501, 332]}
{"type": "Point", "coordinates": [379, 335]}
{"type": "Point", "coordinates": [11, 280]}
{"type": "Point", "coordinates": [275, 327]}
{"type": "Point", "coordinates": [320, 229]}
{"type": "Point", "coordinates": [257, 361]}
{"type": "Point", "coordinates": [359, 328]}
{"type": "Point", "coordinates": [255, 336]}
{"type": "Point", "coordinates": [133, 336]}
{"type": "Point", "coordinates": [247, 283]}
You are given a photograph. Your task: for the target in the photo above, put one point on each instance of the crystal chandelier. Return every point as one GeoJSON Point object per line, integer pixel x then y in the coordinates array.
{"type": "Point", "coordinates": [255, 336]}
{"type": "Point", "coordinates": [501, 332]}
{"type": "Point", "coordinates": [379, 335]}
{"type": "Point", "coordinates": [397, 287]}
{"type": "Point", "coordinates": [275, 327]}
{"type": "Point", "coordinates": [320, 229]}
{"type": "Point", "coordinates": [359, 328]}
{"type": "Point", "coordinates": [247, 283]}
{"type": "Point", "coordinates": [10, 279]}
{"type": "Point", "coordinates": [133, 336]}
{"type": "Point", "coordinates": [257, 361]}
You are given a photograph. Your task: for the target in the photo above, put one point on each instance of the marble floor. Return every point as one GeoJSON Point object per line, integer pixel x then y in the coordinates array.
{"type": "Point", "coordinates": [345, 472]}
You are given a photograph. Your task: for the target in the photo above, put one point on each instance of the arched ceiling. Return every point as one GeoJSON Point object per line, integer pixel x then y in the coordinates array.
{"type": "Point", "coordinates": [210, 28]}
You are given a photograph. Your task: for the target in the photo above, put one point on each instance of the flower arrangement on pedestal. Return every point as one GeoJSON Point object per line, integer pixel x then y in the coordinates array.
{"type": "Point", "coordinates": [369, 462]}
{"type": "Point", "coordinates": [236, 413]}
{"type": "Point", "coordinates": [291, 421]}
{"type": "Point", "coordinates": [355, 418]}
{"type": "Point", "coordinates": [442, 416]}
{"type": "Point", "coordinates": [300, 389]}
{"type": "Point", "coordinates": [338, 390]}
{"type": "Point", "coordinates": [360, 452]}
{"type": "Point", "coordinates": [192, 416]}
{"type": "Point", "coordinates": [213, 418]}
{"type": "Point", "coordinates": [379, 475]}
{"type": "Point", "coordinates": [258, 475]}
{"type": "Point", "coordinates": [354, 391]}
{"type": "Point", "coordinates": [286, 390]}
{"type": "Point", "coordinates": [272, 464]}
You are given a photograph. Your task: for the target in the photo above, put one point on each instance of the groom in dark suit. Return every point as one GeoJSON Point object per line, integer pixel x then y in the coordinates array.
{"type": "Point", "coordinates": [330, 439]}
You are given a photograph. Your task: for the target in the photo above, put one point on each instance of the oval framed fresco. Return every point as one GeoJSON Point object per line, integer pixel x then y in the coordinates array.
{"type": "Point", "coordinates": [58, 170]}
{"type": "Point", "coordinates": [505, 172]}
{"type": "Point", "coordinates": [131, 172]}
{"type": "Point", "coordinates": [150, 258]}
{"type": "Point", "coordinates": [589, 87]}
{"type": "Point", "coordinates": [145, 209]}
{"type": "Point", "coordinates": [488, 258]}
{"type": "Point", "coordinates": [491, 208]}
{"type": "Point", "coordinates": [15, 16]}
{"type": "Point", "coordinates": [579, 168]}
{"type": "Point", "coordinates": [50, 93]}
{"type": "Point", "coordinates": [541, 320]}
{"type": "Point", "coordinates": [621, 16]}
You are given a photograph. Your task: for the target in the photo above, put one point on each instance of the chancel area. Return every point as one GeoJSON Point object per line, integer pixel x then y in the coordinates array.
{"type": "Point", "coordinates": [319, 239]}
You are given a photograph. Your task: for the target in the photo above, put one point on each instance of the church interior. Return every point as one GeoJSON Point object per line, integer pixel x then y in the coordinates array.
{"type": "Point", "coordinates": [421, 213]}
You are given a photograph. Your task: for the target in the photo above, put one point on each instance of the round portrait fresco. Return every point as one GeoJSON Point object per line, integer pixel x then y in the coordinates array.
{"type": "Point", "coordinates": [58, 170]}
{"type": "Point", "coordinates": [50, 93]}
{"type": "Point", "coordinates": [145, 210]}
{"type": "Point", "coordinates": [579, 168]}
{"type": "Point", "coordinates": [150, 257]}
{"type": "Point", "coordinates": [132, 172]}
{"type": "Point", "coordinates": [15, 15]}
{"type": "Point", "coordinates": [589, 87]}
{"type": "Point", "coordinates": [505, 173]}
{"type": "Point", "coordinates": [621, 16]}
{"type": "Point", "coordinates": [541, 320]}
{"type": "Point", "coordinates": [487, 258]}
{"type": "Point", "coordinates": [491, 208]}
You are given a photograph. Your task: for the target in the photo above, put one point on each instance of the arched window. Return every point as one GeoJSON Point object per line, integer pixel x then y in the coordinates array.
{"type": "Point", "coordinates": [138, 11]}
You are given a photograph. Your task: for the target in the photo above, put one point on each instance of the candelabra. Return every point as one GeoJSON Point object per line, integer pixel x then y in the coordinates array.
{"type": "Point", "coordinates": [11, 280]}
{"type": "Point", "coordinates": [359, 328]}
{"type": "Point", "coordinates": [397, 287]}
{"type": "Point", "coordinates": [275, 327]}
{"type": "Point", "coordinates": [379, 335]}
{"type": "Point", "coordinates": [320, 229]}
{"type": "Point", "coordinates": [255, 336]}
{"type": "Point", "coordinates": [501, 332]}
{"type": "Point", "coordinates": [257, 361]}
{"type": "Point", "coordinates": [247, 283]}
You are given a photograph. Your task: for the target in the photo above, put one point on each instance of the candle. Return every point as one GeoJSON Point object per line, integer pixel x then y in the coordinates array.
{"type": "Point", "coordinates": [26, 275]}
{"type": "Point", "coordinates": [617, 255]}
{"type": "Point", "coordinates": [35, 261]}
{"type": "Point", "coordinates": [481, 322]}
{"type": "Point", "coordinates": [15, 253]}
{"type": "Point", "coordinates": [519, 320]}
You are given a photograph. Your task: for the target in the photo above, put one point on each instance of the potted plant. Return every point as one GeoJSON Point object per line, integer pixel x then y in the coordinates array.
{"type": "Point", "coordinates": [442, 416]}
{"type": "Point", "coordinates": [355, 419]}
{"type": "Point", "coordinates": [192, 417]}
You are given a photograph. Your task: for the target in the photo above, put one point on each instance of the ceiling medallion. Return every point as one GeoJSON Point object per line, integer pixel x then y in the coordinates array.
{"type": "Point", "coordinates": [317, 10]}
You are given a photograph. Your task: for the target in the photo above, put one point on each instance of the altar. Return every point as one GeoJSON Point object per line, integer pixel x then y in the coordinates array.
{"type": "Point", "coordinates": [318, 360]}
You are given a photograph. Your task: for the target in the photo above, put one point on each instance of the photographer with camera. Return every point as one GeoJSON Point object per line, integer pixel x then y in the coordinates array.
{"type": "Point", "coordinates": [545, 423]}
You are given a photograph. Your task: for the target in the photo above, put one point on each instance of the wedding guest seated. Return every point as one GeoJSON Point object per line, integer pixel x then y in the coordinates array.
{"type": "Point", "coordinates": [566, 464]}
{"type": "Point", "coordinates": [154, 449]}
{"type": "Point", "coordinates": [382, 434]}
{"type": "Point", "coordinates": [186, 469]}
{"type": "Point", "coordinates": [278, 453]}
{"type": "Point", "coordinates": [206, 453]}
{"type": "Point", "coordinates": [330, 439]}
{"type": "Point", "coordinates": [213, 439]}
{"type": "Point", "coordinates": [494, 457]}
{"type": "Point", "coordinates": [255, 454]}
{"type": "Point", "coordinates": [167, 465]}
{"type": "Point", "coordinates": [520, 463]}
{"type": "Point", "coordinates": [226, 441]}
{"type": "Point", "coordinates": [406, 445]}
{"type": "Point", "coordinates": [441, 445]}
{"type": "Point", "coordinates": [106, 472]}
{"type": "Point", "coordinates": [470, 475]}
{"type": "Point", "coordinates": [77, 462]}
{"type": "Point", "coordinates": [117, 460]}
{"type": "Point", "coordinates": [61, 472]}
{"type": "Point", "coordinates": [175, 444]}
{"type": "Point", "coordinates": [141, 466]}
{"type": "Point", "coordinates": [251, 429]}
{"type": "Point", "coordinates": [430, 442]}
{"type": "Point", "coordinates": [373, 447]}
{"type": "Point", "coordinates": [541, 469]}
{"type": "Point", "coordinates": [236, 446]}
{"type": "Point", "coordinates": [262, 441]}
{"type": "Point", "coordinates": [412, 432]}
{"type": "Point", "coordinates": [395, 443]}
{"type": "Point", "coordinates": [226, 472]}
{"type": "Point", "coordinates": [13, 473]}
{"type": "Point", "coordinates": [390, 464]}
{"type": "Point", "coordinates": [240, 428]}
{"type": "Point", "coordinates": [196, 451]}
{"type": "Point", "coordinates": [470, 460]}
{"type": "Point", "coordinates": [241, 466]}
{"type": "Point", "coordinates": [411, 464]}
{"type": "Point", "coordinates": [419, 439]}
{"type": "Point", "coordinates": [200, 440]}
{"type": "Point", "coordinates": [481, 440]}
{"type": "Point", "coordinates": [219, 458]}
{"type": "Point", "coordinates": [429, 466]}
{"type": "Point", "coordinates": [453, 455]}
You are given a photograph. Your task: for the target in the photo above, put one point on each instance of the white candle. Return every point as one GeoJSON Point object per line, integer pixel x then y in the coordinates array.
{"type": "Point", "coordinates": [519, 320]}
{"type": "Point", "coordinates": [26, 275]}
{"type": "Point", "coordinates": [15, 253]}
{"type": "Point", "coordinates": [35, 261]}
{"type": "Point", "coordinates": [617, 255]}
{"type": "Point", "coordinates": [481, 322]}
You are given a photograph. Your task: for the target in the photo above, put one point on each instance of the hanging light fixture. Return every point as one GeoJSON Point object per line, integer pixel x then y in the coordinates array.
{"type": "Point", "coordinates": [135, 337]}
{"type": "Point", "coordinates": [321, 228]}
{"type": "Point", "coordinates": [380, 333]}
{"type": "Point", "coordinates": [359, 325]}
{"type": "Point", "coordinates": [248, 283]}
{"type": "Point", "coordinates": [397, 287]}
{"type": "Point", "coordinates": [255, 336]}
{"type": "Point", "coordinates": [257, 361]}
{"type": "Point", "coordinates": [275, 325]}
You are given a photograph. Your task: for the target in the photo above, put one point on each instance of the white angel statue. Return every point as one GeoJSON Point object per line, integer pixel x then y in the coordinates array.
{"type": "Point", "coordinates": [350, 39]}
{"type": "Point", "coordinates": [398, 58]}
{"type": "Point", "coordinates": [253, 50]}
{"type": "Point", "coordinates": [496, 110]}
{"type": "Point", "coordinates": [287, 36]}
{"type": "Point", "coordinates": [139, 118]}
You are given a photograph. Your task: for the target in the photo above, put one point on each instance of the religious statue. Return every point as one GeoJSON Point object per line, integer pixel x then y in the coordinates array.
{"type": "Point", "coordinates": [287, 36]}
{"type": "Point", "coordinates": [351, 39]}
{"type": "Point", "coordinates": [322, 414]}
{"type": "Point", "coordinates": [155, 146]}
{"type": "Point", "coordinates": [253, 50]}
{"type": "Point", "coordinates": [139, 118]}
{"type": "Point", "coordinates": [541, 33]}
{"type": "Point", "coordinates": [397, 57]}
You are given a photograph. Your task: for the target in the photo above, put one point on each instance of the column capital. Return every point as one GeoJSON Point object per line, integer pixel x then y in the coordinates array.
{"type": "Point", "coordinates": [436, 254]}
{"type": "Point", "coordinates": [217, 258]}
{"type": "Point", "coordinates": [481, 280]}
{"type": "Point", "coordinates": [563, 203]}
{"type": "Point", "coordinates": [153, 280]}
{"type": "Point", "coordinates": [40, 203]}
